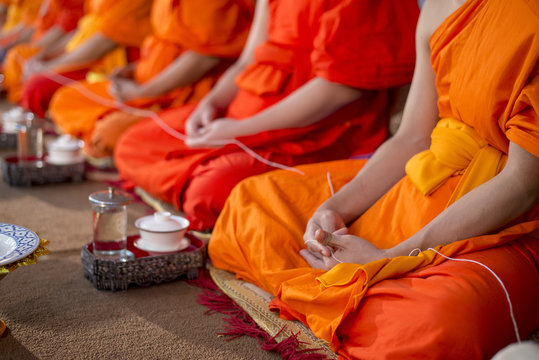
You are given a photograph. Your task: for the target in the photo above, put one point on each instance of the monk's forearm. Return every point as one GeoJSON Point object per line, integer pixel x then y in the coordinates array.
{"type": "Point", "coordinates": [307, 105]}
{"type": "Point", "coordinates": [185, 70]}
{"type": "Point", "coordinates": [483, 210]}
{"type": "Point", "coordinates": [91, 50]}
{"type": "Point", "coordinates": [225, 89]}
{"type": "Point", "coordinates": [22, 36]}
{"type": "Point", "coordinates": [53, 42]}
{"type": "Point", "coordinates": [383, 170]}
{"type": "Point", "coordinates": [50, 38]}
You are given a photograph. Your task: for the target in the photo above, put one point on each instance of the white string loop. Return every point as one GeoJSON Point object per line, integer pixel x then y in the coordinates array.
{"type": "Point", "coordinates": [515, 326]}
{"type": "Point", "coordinates": [62, 80]}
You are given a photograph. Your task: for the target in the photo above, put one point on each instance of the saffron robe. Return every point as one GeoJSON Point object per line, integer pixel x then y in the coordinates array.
{"type": "Point", "coordinates": [62, 13]}
{"type": "Point", "coordinates": [412, 306]}
{"type": "Point", "coordinates": [352, 43]}
{"type": "Point", "coordinates": [125, 22]}
{"type": "Point", "coordinates": [215, 28]}
{"type": "Point", "coordinates": [21, 12]}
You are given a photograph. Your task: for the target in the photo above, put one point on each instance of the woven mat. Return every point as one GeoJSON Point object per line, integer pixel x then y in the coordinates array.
{"type": "Point", "coordinates": [255, 302]}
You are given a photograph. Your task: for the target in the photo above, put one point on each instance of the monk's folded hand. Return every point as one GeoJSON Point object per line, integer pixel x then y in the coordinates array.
{"type": "Point", "coordinates": [203, 115]}
{"type": "Point", "coordinates": [123, 72]}
{"type": "Point", "coordinates": [327, 220]}
{"type": "Point", "coordinates": [33, 66]}
{"type": "Point", "coordinates": [216, 134]}
{"type": "Point", "coordinates": [125, 89]}
{"type": "Point", "coordinates": [342, 248]}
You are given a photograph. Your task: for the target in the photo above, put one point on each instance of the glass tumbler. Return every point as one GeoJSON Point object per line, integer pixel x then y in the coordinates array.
{"type": "Point", "coordinates": [30, 139]}
{"type": "Point", "coordinates": [110, 223]}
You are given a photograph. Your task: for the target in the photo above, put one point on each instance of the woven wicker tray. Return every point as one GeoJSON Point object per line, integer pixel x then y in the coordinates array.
{"type": "Point", "coordinates": [8, 141]}
{"type": "Point", "coordinates": [144, 270]}
{"type": "Point", "coordinates": [38, 172]}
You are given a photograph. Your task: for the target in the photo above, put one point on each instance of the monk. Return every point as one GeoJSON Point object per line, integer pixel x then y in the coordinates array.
{"type": "Point", "coordinates": [18, 27]}
{"type": "Point", "coordinates": [367, 268]}
{"type": "Point", "coordinates": [52, 30]}
{"type": "Point", "coordinates": [311, 85]}
{"type": "Point", "coordinates": [191, 44]}
{"type": "Point", "coordinates": [107, 37]}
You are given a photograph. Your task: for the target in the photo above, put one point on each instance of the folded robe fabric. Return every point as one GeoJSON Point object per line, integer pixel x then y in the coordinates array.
{"type": "Point", "coordinates": [217, 28]}
{"type": "Point", "coordinates": [347, 42]}
{"type": "Point", "coordinates": [413, 306]}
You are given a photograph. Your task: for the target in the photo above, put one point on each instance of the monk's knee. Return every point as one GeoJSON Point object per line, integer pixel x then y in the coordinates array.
{"type": "Point", "coordinates": [210, 186]}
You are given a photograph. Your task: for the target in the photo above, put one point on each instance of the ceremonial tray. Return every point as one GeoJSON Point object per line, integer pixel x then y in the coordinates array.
{"type": "Point", "coordinates": [37, 172]}
{"type": "Point", "coordinates": [145, 269]}
{"type": "Point", "coordinates": [8, 141]}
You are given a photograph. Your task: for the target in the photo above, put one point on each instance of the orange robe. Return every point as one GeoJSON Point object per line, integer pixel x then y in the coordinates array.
{"type": "Point", "coordinates": [21, 11]}
{"type": "Point", "coordinates": [125, 22]}
{"type": "Point", "coordinates": [216, 28]}
{"type": "Point", "coordinates": [62, 13]}
{"type": "Point", "coordinates": [412, 306]}
{"type": "Point", "coordinates": [350, 43]}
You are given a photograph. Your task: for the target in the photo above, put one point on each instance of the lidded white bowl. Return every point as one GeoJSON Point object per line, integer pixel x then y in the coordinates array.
{"type": "Point", "coordinates": [13, 119]}
{"type": "Point", "coordinates": [162, 232]}
{"type": "Point", "coordinates": [65, 150]}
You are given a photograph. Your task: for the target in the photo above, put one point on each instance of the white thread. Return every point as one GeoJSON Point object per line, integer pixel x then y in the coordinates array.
{"type": "Point", "coordinates": [329, 247]}
{"type": "Point", "coordinates": [411, 252]}
{"type": "Point", "coordinates": [499, 280]}
{"type": "Point", "coordinates": [60, 79]}
{"type": "Point", "coordinates": [330, 184]}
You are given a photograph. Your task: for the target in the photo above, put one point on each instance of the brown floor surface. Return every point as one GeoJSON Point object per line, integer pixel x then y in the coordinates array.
{"type": "Point", "coordinates": [53, 312]}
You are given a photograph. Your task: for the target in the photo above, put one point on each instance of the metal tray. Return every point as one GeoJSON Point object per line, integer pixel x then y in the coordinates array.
{"type": "Point", "coordinates": [38, 172]}
{"type": "Point", "coordinates": [8, 141]}
{"type": "Point", "coordinates": [144, 269]}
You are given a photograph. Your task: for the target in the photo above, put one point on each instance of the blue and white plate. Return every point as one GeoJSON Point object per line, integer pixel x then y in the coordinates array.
{"type": "Point", "coordinates": [16, 242]}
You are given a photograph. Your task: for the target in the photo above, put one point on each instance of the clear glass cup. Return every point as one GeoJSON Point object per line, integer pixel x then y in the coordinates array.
{"type": "Point", "coordinates": [109, 211]}
{"type": "Point", "coordinates": [30, 139]}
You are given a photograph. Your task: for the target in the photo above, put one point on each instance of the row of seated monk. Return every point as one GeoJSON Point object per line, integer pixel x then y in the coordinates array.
{"type": "Point", "coordinates": [420, 242]}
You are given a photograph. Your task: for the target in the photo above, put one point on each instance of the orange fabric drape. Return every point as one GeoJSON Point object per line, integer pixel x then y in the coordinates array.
{"type": "Point", "coordinates": [305, 39]}
{"type": "Point", "coordinates": [363, 311]}
{"type": "Point", "coordinates": [62, 13]}
{"type": "Point", "coordinates": [177, 27]}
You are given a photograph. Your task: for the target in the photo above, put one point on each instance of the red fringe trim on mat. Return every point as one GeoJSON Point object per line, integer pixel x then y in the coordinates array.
{"type": "Point", "coordinates": [240, 323]}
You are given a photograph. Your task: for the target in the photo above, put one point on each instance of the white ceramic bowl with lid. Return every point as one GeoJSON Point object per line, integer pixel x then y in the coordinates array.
{"type": "Point", "coordinates": [13, 119]}
{"type": "Point", "coordinates": [66, 149]}
{"type": "Point", "coordinates": [162, 232]}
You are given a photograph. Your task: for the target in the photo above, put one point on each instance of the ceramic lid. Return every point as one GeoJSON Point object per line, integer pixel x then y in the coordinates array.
{"type": "Point", "coordinates": [66, 143]}
{"type": "Point", "coordinates": [14, 114]}
{"type": "Point", "coordinates": [162, 221]}
{"type": "Point", "coordinates": [111, 197]}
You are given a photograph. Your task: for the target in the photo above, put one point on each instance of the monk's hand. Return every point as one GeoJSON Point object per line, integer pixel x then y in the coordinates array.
{"type": "Point", "coordinates": [123, 72]}
{"type": "Point", "coordinates": [199, 119]}
{"type": "Point", "coordinates": [342, 249]}
{"type": "Point", "coordinates": [218, 133]}
{"type": "Point", "coordinates": [31, 67]}
{"type": "Point", "coordinates": [327, 220]}
{"type": "Point", "coordinates": [124, 89]}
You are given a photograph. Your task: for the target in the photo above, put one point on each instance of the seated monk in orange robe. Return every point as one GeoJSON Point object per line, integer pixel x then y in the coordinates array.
{"type": "Point", "coordinates": [366, 268]}
{"type": "Point", "coordinates": [311, 85]}
{"type": "Point", "coordinates": [52, 29]}
{"type": "Point", "coordinates": [192, 43]}
{"type": "Point", "coordinates": [107, 37]}
{"type": "Point", "coordinates": [19, 26]}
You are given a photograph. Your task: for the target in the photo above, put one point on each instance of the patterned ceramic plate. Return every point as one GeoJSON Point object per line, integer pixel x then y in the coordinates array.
{"type": "Point", "coordinates": [16, 242]}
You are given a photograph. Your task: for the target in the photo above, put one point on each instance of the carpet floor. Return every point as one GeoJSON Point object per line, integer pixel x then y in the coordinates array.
{"type": "Point", "coordinates": [53, 312]}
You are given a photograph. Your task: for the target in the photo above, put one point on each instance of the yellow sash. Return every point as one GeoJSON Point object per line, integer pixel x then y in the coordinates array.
{"type": "Point", "coordinates": [455, 149]}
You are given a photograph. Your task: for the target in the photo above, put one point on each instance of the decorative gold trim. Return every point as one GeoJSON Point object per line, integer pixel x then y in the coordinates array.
{"type": "Point", "coordinates": [29, 260]}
